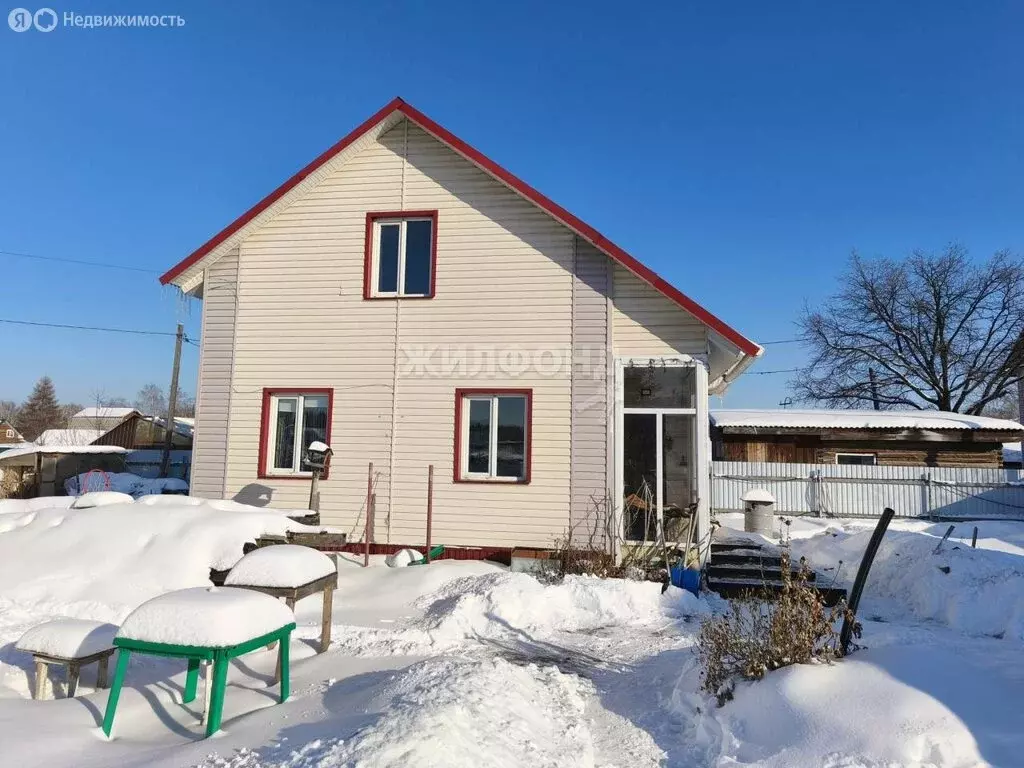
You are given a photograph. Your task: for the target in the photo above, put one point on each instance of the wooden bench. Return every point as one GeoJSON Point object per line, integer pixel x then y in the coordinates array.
{"type": "Point", "coordinates": [326, 584]}
{"type": "Point", "coordinates": [70, 644]}
{"type": "Point", "coordinates": [72, 667]}
{"type": "Point", "coordinates": [281, 570]}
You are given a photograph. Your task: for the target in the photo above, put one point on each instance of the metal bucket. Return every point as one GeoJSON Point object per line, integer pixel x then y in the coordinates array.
{"type": "Point", "coordinates": [759, 512]}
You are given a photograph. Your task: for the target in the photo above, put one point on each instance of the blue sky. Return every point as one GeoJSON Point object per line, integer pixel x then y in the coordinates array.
{"type": "Point", "coordinates": [742, 150]}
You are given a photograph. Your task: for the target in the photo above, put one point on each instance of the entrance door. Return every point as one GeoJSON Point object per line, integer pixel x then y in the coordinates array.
{"type": "Point", "coordinates": [658, 450]}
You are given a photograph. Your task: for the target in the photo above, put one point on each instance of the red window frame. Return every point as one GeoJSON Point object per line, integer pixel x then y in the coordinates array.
{"type": "Point", "coordinates": [460, 394]}
{"type": "Point", "coordinates": [374, 216]}
{"type": "Point", "coordinates": [264, 452]}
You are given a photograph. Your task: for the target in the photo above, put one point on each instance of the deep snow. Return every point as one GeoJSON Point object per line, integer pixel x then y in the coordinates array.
{"type": "Point", "coordinates": [465, 664]}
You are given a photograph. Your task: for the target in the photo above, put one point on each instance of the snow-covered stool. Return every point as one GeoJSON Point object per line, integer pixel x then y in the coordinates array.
{"type": "Point", "coordinates": [293, 572]}
{"type": "Point", "coordinates": [211, 624]}
{"type": "Point", "coordinates": [71, 644]}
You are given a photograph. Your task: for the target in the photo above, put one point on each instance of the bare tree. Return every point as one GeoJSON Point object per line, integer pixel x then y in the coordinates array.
{"type": "Point", "coordinates": [186, 404]}
{"type": "Point", "coordinates": [9, 411]}
{"type": "Point", "coordinates": [151, 400]}
{"type": "Point", "coordinates": [935, 331]}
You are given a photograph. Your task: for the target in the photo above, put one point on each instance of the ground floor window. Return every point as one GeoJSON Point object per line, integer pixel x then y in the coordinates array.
{"type": "Point", "coordinates": [493, 432]}
{"type": "Point", "coordinates": [863, 459]}
{"type": "Point", "coordinates": [291, 420]}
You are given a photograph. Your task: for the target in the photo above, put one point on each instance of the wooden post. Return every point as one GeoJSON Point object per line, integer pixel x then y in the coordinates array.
{"type": "Point", "coordinates": [172, 403]}
{"type": "Point", "coordinates": [325, 621]}
{"type": "Point", "coordinates": [207, 689]}
{"type": "Point", "coordinates": [314, 491]}
{"type": "Point", "coordinates": [72, 679]}
{"type": "Point", "coordinates": [101, 671]}
{"type": "Point", "coordinates": [430, 506]}
{"type": "Point", "coordinates": [368, 516]}
{"type": "Point", "coordinates": [41, 673]}
{"type": "Point", "coordinates": [974, 538]}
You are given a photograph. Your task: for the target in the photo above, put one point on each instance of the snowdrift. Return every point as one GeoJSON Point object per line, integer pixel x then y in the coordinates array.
{"type": "Point", "coordinates": [977, 591]}
{"type": "Point", "coordinates": [101, 562]}
{"type": "Point", "coordinates": [499, 603]}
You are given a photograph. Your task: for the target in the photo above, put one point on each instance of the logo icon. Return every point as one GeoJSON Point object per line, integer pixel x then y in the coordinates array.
{"type": "Point", "coordinates": [20, 19]}
{"type": "Point", "coordinates": [45, 19]}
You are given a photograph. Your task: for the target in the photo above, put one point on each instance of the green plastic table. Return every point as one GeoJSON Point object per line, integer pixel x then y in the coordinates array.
{"type": "Point", "coordinates": [194, 654]}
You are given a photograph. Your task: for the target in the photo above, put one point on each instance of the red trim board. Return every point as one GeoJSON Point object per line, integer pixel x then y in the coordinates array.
{"type": "Point", "coordinates": [461, 393]}
{"type": "Point", "coordinates": [475, 156]}
{"type": "Point", "coordinates": [368, 251]}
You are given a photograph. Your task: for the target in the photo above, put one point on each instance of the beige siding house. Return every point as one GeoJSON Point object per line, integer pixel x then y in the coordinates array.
{"type": "Point", "coordinates": [411, 303]}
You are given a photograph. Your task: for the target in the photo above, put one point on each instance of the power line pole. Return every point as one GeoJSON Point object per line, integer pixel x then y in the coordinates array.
{"type": "Point", "coordinates": [874, 389]}
{"type": "Point", "coordinates": [172, 403]}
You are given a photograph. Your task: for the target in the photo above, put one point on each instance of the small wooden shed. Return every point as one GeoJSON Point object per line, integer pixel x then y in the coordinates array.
{"type": "Point", "coordinates": [140, 432]}
{"type": "Point", "coordinates": [900, 438]}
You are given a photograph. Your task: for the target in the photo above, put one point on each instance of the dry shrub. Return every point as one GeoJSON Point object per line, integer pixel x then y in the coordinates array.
{"type": "Point", "coordinates": [759, 635]}
{"type": "Point", "coordinates": [10, 484]}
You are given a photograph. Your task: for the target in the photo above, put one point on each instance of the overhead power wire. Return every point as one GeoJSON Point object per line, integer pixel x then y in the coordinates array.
{"type": "Point", "coordinates": [83, 262]}
{"type": "Point", "coordinates": [67, 326]}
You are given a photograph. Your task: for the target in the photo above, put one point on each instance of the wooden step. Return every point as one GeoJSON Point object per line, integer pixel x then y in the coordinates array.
{"type": "Point", "coordinates": [746, 557]}
{"type": "Point", "coordinates": [728, 545]}
{"type": "Point", "coordinates": [732, 588]}
{"type": "Point", "coordinates": [751, 570]}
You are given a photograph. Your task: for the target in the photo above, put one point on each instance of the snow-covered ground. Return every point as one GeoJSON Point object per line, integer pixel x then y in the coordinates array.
{"type": "Point", "coordinates": [466, 664]}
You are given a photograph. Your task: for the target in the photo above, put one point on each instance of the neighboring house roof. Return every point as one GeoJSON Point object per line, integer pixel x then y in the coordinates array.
{"type": "Point", "coordinates": [387, 117]}
{"type": "Point", "coordinates": [67, 437]}
{"type": "Point", "coordinates": [24, 455]}
{"type": "Point", "coordinates": [6, 425]}
{"type": "Point", "coordinates": [854, 419]}
{"type": "Point", "coordinates": [104, 412]}
{"type": "Point", "coordinates": [183, 426]}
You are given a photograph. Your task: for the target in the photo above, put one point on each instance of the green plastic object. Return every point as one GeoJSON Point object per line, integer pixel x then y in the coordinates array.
{"type": "Point", "coordinates": [435, 553]}
{"type": "Point", "coordinates": [194, 654]}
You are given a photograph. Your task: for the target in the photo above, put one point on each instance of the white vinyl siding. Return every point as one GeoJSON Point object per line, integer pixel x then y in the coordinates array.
{"type": "Point", "coordinates": [590, 465]}
{"type": "Point", "coordinates": [303, 322]}
{"type": "Point", "coordinates": [647, 323]}
{"type": "Point", "coordinates": [213, 391]}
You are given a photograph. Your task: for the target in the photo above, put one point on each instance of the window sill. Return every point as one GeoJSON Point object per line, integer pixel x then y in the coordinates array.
{"type": "Point", "coordinates": [307, 476]}
{"type": "Point", "coordinates": [492, 481]}
{"type": "Point", "coordinates": [396, 298]}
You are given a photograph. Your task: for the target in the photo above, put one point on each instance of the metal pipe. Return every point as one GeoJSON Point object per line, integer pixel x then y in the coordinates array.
{"type": "Point", "coordinates": [862, 577]}
{"type": "Point", "coordinates": [369, 519]}
{"type": "Point", "coordinates": [430, 506]}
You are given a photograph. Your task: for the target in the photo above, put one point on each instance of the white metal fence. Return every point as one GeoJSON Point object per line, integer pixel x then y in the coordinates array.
{"type": "Point", "coordinates": [862, 491]}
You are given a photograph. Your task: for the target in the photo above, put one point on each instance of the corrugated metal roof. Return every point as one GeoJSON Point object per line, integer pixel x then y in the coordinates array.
{"type": "Point", "coordinates": [853, 419]}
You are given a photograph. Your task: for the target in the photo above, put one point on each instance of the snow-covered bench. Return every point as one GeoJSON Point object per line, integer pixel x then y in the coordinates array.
{"type": "Point", "coordinates": [293, 572]}
{"type": "Point", "coordinates": [71, 644]}
{"type": "Point", "coordinates": [211, 624]}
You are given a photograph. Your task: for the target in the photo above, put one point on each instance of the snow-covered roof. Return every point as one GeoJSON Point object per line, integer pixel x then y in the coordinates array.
{"type": "Point", "coordinates": [31, 449]}
{"type": "Point", "coordinates": [854, 419]}
{"type": "Point", "coordinates": [1011, 453]}
{"type": "Point", "coordinates": [104, 412]}
{"type": "Point", "coordinates": [70, 436]}
{"type": "Point", "coordinates": [182, 426]}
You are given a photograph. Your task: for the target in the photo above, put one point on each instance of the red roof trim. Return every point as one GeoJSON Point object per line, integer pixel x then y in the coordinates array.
{"type": "Point", "coordinates": [580, 227]}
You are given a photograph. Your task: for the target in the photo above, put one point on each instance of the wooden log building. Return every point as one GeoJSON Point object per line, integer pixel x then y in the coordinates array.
{"type": "Point", "coordinates": [899, 438]}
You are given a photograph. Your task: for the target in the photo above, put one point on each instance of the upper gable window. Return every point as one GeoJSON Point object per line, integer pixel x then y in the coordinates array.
{"type": "Point", "coordinates": [401, 255]}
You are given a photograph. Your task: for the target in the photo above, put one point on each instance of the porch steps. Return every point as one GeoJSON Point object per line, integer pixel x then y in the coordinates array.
{"type": "Point", "coordinates": [742, 567]}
